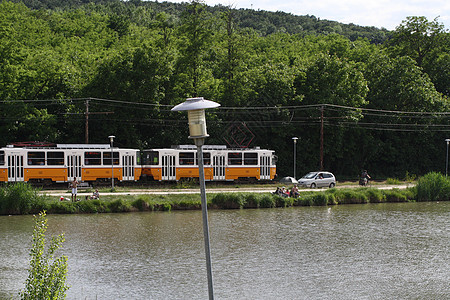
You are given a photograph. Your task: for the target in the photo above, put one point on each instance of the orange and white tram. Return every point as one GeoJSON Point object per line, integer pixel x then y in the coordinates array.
{"type": "Point", "coordinates": [220, 163]}
{"type": "Point", "coordinates": [63, 162]}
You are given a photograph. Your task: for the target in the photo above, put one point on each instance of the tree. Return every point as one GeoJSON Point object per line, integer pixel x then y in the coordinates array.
{"type": "Point", "coordinates": [46, 275]}
{"type": "Point", "coordinates": [195, 36]}
{"type": "Point", "coordinates": [399, 84]}
{"type": "Point", "coordinates": [331, 80]}
{"type": "Point", "coordinates": [417, 37]}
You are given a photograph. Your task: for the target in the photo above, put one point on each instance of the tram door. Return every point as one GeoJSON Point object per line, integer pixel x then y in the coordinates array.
{"type": "Point", "coordinates": [219, 167]}
{"type": "Point", "coordinates": [168, 167]}
{"type": "Point", "coordinates": [128, 167]}
{"type": "Point", "coordinates": [264, 163]}
{"type": "Point", "coordinates": [73, 167]}
{"type": "Point", "coordinates": [15, 168]}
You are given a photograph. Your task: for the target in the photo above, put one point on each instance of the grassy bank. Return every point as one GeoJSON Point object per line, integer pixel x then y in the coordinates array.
{"type": "Point", "coordinates": [23, 199]}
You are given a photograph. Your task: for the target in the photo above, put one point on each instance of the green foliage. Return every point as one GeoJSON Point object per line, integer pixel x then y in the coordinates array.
{"type": "Point", "coordinates": [393, 181]}
{"type": "Point", "coordinates": [19, 198]}
{"type": "Point", "coordinates": [249, 200]}
{"type": "Point", "coordinates": [320, 199]}
{"type": "Point", "coordinates": [305, 200]}
{"type": "Point", "coordinates": [119, 205]}
{"type": "Point", "coordinates": [91, 206]}
{"type": "Point", "coordinates": [375, 195]}
{"type": "Point", "coordinates": [141, 204]}
{"type": "Point", "coordinates": [349, 196]}
{"type": "Point", "coordinates": [417, 37]}
{"type": "Point", "coordinates": [46, 274]}
{"type": "Point", "coordinates": [228, 200]}
{"type": "Point", "coordinates": [283, 201]}
{"type": "Point", "coordinates": [62, 207]}
{"type": "Point", "coordinates": [267, 201]}
{"type": "Point", "coordinates": [433, 187]}
{"type": "Point", "coordinates": [395, 195]}
{"type": "Point", "coordinates": [252, 201]}
{"type": "Point", "coordinates": [410, 177]}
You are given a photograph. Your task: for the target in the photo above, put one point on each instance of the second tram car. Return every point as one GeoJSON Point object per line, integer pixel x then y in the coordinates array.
{"type": "Point", "coordinates": [63, 162]}
{"type": "Point", "coordinates": [220, 163]}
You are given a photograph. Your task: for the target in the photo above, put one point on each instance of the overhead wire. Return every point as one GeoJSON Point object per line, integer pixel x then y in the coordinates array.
{"type": "Point", "coordinates": [291, 118]}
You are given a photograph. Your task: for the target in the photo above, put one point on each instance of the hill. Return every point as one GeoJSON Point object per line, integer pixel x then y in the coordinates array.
{"type": "Point", "coordinates": [264, 22]}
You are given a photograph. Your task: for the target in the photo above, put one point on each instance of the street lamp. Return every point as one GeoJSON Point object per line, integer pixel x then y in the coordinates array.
{"type": "Point", "coordinates": [111, 140]}
{"type": "Point", "coordinates": [197, 131]}
{"type": "Point", "coordinates": [446, 160]}
{"type": "Point", "coordinates": [295, 152]}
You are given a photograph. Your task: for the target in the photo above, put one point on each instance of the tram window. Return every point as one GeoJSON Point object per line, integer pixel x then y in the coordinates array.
{"type": "Point", "coordinates": [36, 158]}
{"type": "Point", "coordinates": [250, 159]}
{"type": "Point", "coordinates": [55, 158]}
{"type": "Point", "coordinates": [151, 158]}
{"type": "Point", "coordinates": [235, 158]}
{"type": "Point", "coordinates": [107, 158]}
{"type": "Point", "coordinates": [186, 158]}
{"type": "Point", "coordinates": [2, 158]}
{"type": "Point", "coordinates": [206, 158]}
{"type": "Point", "coordinates": [92, 158]}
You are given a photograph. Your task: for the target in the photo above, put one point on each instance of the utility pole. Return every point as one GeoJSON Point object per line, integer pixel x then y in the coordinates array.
{"type": "Point", "coordinates": [86, 134]}
{"type": "Point", "coordinates": [321, 138]}
{"type": "Point", "coordinates": [87, 113]}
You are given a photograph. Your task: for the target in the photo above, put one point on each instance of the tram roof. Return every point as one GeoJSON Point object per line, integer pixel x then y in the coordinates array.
{"type": "Point", "coordinates": [62, 146]}
{"type": "Point", "coordinates": [211, 147]}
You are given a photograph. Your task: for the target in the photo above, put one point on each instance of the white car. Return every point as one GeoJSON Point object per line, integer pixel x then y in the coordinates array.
{"type": "Point", "coordinates": [317, 179]}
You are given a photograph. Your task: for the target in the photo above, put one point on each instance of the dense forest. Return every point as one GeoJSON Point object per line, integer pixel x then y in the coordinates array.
{"type": "Point", "coordinates": [77, 71]}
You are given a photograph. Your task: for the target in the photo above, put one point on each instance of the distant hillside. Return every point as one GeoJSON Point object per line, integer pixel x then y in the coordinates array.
{"type": "Point", "coordinates": [264, 22]}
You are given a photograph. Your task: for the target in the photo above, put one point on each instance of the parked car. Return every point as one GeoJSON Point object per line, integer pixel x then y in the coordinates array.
{"type": "Point", "coordinates": [317, 179]}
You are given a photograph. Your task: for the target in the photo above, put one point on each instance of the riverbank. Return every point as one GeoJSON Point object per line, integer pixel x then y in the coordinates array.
{"type": "Point", "coordinates": [21, 198]}
{"type": "Point", "coordinates": [130, 202]}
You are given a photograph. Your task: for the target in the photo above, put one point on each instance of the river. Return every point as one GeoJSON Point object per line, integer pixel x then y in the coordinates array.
{"type": "Point", "coordinates": [371, 251]}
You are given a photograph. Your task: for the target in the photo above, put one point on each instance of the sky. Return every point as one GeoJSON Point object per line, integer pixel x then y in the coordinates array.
{"type": "Point", "coordinates": [379, 13]}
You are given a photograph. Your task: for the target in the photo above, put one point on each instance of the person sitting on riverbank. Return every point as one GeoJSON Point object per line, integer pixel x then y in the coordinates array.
{"type": "Point", "coordinates": [95, 195]}
{"type": "Point", "coordinates": [294, 191]}
{"type": "Point", "coordinates": [284, 192]}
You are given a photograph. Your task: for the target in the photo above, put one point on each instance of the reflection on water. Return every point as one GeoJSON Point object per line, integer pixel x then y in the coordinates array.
{"type": "Point", "coordinates": [373, 251]}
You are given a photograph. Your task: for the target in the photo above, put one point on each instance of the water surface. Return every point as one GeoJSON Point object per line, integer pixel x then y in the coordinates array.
{"type": "Point", "coordinates": [372, 251]}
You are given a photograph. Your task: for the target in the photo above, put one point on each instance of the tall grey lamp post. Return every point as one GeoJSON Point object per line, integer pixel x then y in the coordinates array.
{"type": "Point", "coordinates": [111, 140]}
{"type": "Point", "coordinates": [197, 131]}
{"type": "Point", "coordinates": [295, 152]}
{"type": "Point", "coordinates": [446, 160]}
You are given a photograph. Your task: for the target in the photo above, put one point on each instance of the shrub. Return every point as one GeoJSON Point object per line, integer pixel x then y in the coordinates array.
{"type": "Point", "coordinates": [252, 201]}
{"type": "Point", "coordinates": [140, 204]}
{"type": "Point", "coordinates": [349, 196]}
{"type": "Point", "coordinates": [320, 199]}
{"type": "Point", "coordinates": [375, 195]}
{"type": "Point", "coordinates": [46, 275]}
{"type": "Point", "coordinates": [283, 201]}
{"type": "Point", "coordinates": [186, 204]}
{"type": "Point", "coordinates": [62, 207]}
{"type": "Point", "coordinates": [91, 206]}
{"type": "Point", "coordinates": [18, 198]}
{"type": "Point", "coordinates": [395, 195]}
{"type": "Point", "coordinates": [164, 206]}
{"type": "Point", "coordinates": [267, 201]}
{"type": "Point", "coordinates": [307, 200]}
{"type": "Point", "coordinates": [393, 181]}
{"type": "Point", "coordinates": [433, 187]}
{"type": "Point", "coordinates": [119, 206]}
{"type": "Point", "coordinates": [331, 198]}
{"type": "Point", "coordinates": [228, 200]}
